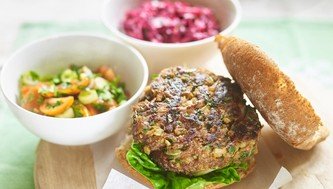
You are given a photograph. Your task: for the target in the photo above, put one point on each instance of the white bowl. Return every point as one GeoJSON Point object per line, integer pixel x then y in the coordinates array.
{"type": "Point", "coordinates": [51, 55]}
{"type": "Point", "coordinates": [163, 55]}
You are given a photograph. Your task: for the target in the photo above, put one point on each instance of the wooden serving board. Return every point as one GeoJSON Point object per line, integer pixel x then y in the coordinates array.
{"type": "Point", "coordinates": [73, 167]}
{"type": "Point", "coordinates": [64, 167]}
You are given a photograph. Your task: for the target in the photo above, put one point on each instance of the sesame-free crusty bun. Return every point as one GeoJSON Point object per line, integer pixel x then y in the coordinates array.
{"type": "Point", "coordinates": [122, 150]}
{"type": "Point", "coordinates": [272, 93]}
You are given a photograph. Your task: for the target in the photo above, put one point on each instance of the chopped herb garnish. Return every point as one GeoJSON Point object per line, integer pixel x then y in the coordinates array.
{"type": "Point", "coordinates": [34, 75]}
{"type": "Point", "coordinates": [40, 100]}
{"type": "Point", "coordinates": [76, 69]}
{"type": "Point", "coordinates": [100, 107]}
{"type": "Point", "coordinates": [245, 154]}
{"type": "Point", "coordinates": [117, 92]}
{"type": "Point", "coordinates": [58, 103]}
{"type": "Point", "coordinates": [231, 149]}
{"type": "Point", "coordinates": [210, 103]}
{"type": "Point", "coordinates": [116, 81]}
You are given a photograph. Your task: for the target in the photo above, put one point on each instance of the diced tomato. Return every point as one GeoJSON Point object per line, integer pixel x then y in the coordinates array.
{"type": "Point", "coordinates": [56, 106]}
{"type": "Point", "coordinates": [107, 72]}
{"type": "Point", "coordinates": [74, 87]}
{"type": "Point", "coordinates": [91, 109]}
{"type": "Point", "coordinates": [30, 98]}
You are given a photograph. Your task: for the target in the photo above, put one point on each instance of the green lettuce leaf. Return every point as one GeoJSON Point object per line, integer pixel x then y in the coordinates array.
{"type": "Point", "coordinates": [168, 180]}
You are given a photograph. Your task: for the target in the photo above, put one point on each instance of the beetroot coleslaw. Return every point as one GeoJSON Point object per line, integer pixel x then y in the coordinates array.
{"type": "Point", "coordinates": [170, 22]}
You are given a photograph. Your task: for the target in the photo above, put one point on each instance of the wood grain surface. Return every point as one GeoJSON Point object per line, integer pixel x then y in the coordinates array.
{"type": "Point", "coordinates": [64, 167]}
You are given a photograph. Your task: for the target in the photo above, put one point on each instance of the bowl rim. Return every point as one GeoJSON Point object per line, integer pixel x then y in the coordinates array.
{"type": "Point", "coordinates": [131, 100]}
{"type": "Point", "coordinates": [121, 35]}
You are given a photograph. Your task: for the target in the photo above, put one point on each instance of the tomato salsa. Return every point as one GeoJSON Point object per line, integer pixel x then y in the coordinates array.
{"type": "Point", "coordinates": [75, 92]}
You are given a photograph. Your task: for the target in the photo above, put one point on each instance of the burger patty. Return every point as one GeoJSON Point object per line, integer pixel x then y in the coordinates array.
{"type": "Point", "coordinates": [192, 121]}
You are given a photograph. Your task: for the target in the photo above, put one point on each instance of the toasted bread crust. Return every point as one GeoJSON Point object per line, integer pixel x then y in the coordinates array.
{"type": "Point", "coordinates": [122, 150]}
{"type": "Point", "coordinates": [272, 93]}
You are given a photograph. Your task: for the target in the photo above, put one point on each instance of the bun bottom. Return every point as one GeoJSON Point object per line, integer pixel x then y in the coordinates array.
{"type": "Point", "coordinates": [122, 150]}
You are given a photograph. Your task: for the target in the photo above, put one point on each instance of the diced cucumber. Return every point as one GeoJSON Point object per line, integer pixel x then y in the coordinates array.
{"type": "Point", "coordinates": [29, 78]}
{"type": "Point", "coordinates": [69, 113]}
{"type": "Point", "coordinates": [101, 83]}
{"type": "Point", "coordinates": [68, 75]}
{"type": "Point", "coordinates": [56, 80]}
{"type": "Point", "coordinates": [85, 72]}
{"type": "Point", "coordinates": [101, 107]}
{"type": "Point", "coordinates": [104, 95]}
{"type": "Point", "coordinates": [122, 102]}
{"type": "Point", "coordinates": [88, 96]}
{"type": "Point", "coordinates": [83, 76]}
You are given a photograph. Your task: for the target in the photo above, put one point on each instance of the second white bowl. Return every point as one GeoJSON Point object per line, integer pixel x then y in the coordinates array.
{"type": "Point", "coordinates": [164, 55]}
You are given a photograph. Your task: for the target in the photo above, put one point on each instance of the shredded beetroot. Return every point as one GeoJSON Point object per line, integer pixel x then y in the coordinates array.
{"type": "Point", "coordinates": [170, 22]}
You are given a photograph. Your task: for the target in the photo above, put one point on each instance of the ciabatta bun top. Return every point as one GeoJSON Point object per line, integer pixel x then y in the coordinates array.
{"type": "Point", "coordinates": [272, 93]}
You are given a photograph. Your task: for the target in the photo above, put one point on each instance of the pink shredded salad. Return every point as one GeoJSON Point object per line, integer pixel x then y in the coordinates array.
{"type": "Point", "coordinates": [170, 22]}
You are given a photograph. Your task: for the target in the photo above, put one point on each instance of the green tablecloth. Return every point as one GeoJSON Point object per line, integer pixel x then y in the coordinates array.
{"type": "Point", "coordinates": [299, 47]}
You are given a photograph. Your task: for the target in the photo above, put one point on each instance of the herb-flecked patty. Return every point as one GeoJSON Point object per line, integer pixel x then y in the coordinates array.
{"type": "Point", "coordinates": [192, 121]}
